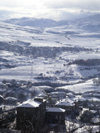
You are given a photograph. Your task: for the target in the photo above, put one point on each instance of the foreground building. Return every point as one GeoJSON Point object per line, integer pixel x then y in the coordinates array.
{"type": "Point", "coordinates": [34, 117]}
{"type": "Point", "coordinates": [31, 116]}
{"type": "Point", "coordinates": [55, 115]}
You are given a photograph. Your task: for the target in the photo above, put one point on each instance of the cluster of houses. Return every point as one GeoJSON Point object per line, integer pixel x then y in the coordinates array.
{"type": "Point", "coordinates": [34, 117]}
{"type": "Point", "coordinates": [41, 109]}
{"type": "Point", "coordinates": [38, 114]}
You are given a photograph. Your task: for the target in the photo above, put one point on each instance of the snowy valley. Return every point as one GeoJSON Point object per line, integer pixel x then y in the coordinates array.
{"type": "Point", "coordinates": [60, 59]}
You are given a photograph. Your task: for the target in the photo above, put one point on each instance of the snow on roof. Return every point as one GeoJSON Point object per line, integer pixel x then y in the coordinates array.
{"type": "Point", "coordinates": [65, 102]}
{"type": "Point", "coordinates": [54, 109]}
{"type": "Point", "coordinates": [79, 98]}
{"type": "Point", "coordinates": [70, 94]}
{"type": "Point", "coordinates": [30, 104]}
{"type": "Point", "coordinates": [42, 95]}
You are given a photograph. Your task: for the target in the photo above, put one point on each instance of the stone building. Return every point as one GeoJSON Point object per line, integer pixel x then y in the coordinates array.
{"type": "Point", "coordinates": [31, 116]}
{"type": "Point", "coordinates": [68, 105]}
{"type": "Point", "coordinates": [55, 115]}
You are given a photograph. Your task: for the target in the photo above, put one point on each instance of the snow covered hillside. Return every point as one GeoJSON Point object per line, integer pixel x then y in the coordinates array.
{"type": "Point", "coordinates": [54, 53]}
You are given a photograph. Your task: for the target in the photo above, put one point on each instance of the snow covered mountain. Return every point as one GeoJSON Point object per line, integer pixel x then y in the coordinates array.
{"type": "Point", "coordinates": [33, 22]}
{"type": "Point", "coordinates": [62, 53]}
{"type": "Point", "coordinates": [59, 61]}
{"type": "Point", "coordinates": [89, 22]}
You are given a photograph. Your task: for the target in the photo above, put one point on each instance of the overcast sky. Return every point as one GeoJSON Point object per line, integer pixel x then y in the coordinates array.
{"type": "Point", "coordinates": [54, 9]}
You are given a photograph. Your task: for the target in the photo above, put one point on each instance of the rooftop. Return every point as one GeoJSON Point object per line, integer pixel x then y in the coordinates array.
{"type": "Point", "coordinates": [54, 109]}
{"type": "Point", "coordinates": [65, 102]}
{"type": "Point", "coordinates": [30, 104]}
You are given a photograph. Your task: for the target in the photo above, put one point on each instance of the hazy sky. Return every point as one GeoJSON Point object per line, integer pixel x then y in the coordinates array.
{"type": "Point", "coordinates": [46, 8]}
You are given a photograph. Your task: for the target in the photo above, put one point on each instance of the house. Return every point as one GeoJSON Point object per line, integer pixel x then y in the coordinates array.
{"type": "Point", "coordinates": [55, 115]}
{"type": "Point", "coordinates": [11, 101]}
{"type": "Point", "coordinates": [66, 104]}
{"type": "Point", "coordinates": [31, 115]}
{"type": "Point", "coordinates": [58, 95]}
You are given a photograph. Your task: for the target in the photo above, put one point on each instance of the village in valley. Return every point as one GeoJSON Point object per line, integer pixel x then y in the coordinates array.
{"type": "Point", "coordinates": [27, 108]}
{"type": "Point", "coordinates": [50, 74]}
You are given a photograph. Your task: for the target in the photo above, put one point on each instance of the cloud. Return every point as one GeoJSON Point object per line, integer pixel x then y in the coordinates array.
{"type": "Point", "coordinates": [55, 9]}
{"type": "Point", "coordinates": [74, 4]}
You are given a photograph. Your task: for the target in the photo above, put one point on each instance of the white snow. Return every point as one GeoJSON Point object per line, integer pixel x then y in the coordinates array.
{"type": "Point", "coordinates": [77, 41]}
{"type": "Point", "coordinates": [65, 102]}
{"type": "Point", "coordinates": [30, 104]}
{"type": "Point", "coordinates": [54, 109]}
{"type": "Point", "coordinates": [81, 87]}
